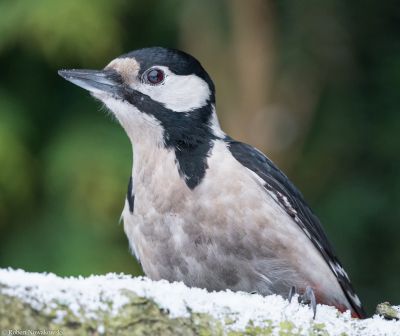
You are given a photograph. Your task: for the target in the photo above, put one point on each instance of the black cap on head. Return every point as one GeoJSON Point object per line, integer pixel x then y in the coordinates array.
{"type": "Point", "coordinates": [177, 61]}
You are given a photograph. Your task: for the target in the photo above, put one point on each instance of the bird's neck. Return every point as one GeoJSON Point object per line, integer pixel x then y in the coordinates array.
{"type": "Point", "coordinates": [187, 130]}
{"type": "Point", "coordinates": [187, 140]}
{"type": "Point", "coordinates": [182, 131]}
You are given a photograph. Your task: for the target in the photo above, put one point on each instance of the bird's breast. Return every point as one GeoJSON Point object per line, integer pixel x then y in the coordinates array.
{"type": "Point", "coordinates": [159, 188]}
{"type": "Point", "coordinates": [228, 232]}
{"type": "Point", "coordinates": [183, 234]}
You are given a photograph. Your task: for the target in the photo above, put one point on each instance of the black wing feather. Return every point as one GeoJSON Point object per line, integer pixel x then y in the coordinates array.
{"type": "Point", "coordinates": [292, 201]}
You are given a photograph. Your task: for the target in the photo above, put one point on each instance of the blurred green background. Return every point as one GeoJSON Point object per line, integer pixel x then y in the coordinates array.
{"type": "Point", "coordinates": [315, 84]}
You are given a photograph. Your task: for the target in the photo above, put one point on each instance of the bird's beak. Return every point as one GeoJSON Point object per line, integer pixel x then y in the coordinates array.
{"type": "Point", "coordinates": [95, 81]}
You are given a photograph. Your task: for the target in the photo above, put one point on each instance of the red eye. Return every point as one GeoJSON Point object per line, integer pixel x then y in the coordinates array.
{"type": "Point", "coordinates": [155, 76]}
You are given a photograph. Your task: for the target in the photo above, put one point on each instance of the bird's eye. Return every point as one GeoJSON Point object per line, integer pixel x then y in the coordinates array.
{"type": "Point", "coordinates": [154, 76]}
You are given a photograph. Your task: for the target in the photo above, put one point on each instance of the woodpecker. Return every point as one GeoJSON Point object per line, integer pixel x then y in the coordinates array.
{"type": "Point", "coordinates": [203, 208]}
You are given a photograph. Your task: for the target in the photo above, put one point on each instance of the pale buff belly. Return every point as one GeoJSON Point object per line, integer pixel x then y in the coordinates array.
{"type": "Point", "coordinates": [226, 233]}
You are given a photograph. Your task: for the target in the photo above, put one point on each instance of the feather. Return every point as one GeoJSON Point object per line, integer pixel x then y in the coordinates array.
{"type": "Point", "coordinates": [292, 201]}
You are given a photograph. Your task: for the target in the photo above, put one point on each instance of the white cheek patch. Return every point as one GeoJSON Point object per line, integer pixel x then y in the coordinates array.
{"type": "Point", "coordinates": [177, 93]}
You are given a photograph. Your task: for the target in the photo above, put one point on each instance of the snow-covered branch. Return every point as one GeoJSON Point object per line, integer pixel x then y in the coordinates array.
{"type": "Point", "coordinates": [44, 304]}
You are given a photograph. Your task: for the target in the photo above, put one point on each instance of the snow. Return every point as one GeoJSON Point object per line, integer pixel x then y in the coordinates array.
{"type": "Point", "coordinates": [89, 296]}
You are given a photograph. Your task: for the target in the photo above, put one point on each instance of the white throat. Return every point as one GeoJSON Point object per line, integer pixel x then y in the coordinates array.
{"type": "Point", "coordinates": [140, 127]}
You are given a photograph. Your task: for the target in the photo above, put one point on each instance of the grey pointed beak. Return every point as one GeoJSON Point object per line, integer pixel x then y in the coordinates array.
{"type": "Point", "coordinates": [95, 81]}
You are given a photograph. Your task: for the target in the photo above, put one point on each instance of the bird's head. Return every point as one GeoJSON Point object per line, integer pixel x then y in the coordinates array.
{"type": "Point", "coordinates": [155, 93]}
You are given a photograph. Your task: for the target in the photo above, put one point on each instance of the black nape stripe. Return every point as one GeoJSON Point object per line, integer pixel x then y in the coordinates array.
{"type": "Point", "coordinates": [130, 196]}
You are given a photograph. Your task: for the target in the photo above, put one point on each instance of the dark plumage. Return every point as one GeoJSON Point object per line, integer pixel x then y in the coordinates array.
{"type": "Point", "coordinates": [130, 197]}
{"type": "Point", "coordinates": [291, 200]}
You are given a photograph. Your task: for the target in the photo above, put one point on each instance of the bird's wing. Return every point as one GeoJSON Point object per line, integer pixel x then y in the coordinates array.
{"type": "Point", "coordinates": [291, 200]}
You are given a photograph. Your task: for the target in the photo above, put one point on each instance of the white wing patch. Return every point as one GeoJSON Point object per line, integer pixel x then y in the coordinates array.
{"type": "Point", "coordinates": [338, 270]}
{"type": "Point", "coordinates": [354, 297]}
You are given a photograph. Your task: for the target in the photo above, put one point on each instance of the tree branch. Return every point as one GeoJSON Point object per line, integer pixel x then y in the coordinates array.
{"type": "Point", "coordinates": [44, 304]}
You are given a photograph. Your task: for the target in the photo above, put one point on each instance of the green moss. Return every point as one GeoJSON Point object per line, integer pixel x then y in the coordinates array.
{"type": "Point", "coordinates": [252, 330]}
{"type": "Point", "coordinates": [139, 317]}
{"type": "Point", "coordinates": [318, 329]}
{"type": "Point", "coordinates": [286, 328]}
{"type": "Point", "coordinates": [387, 311]}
